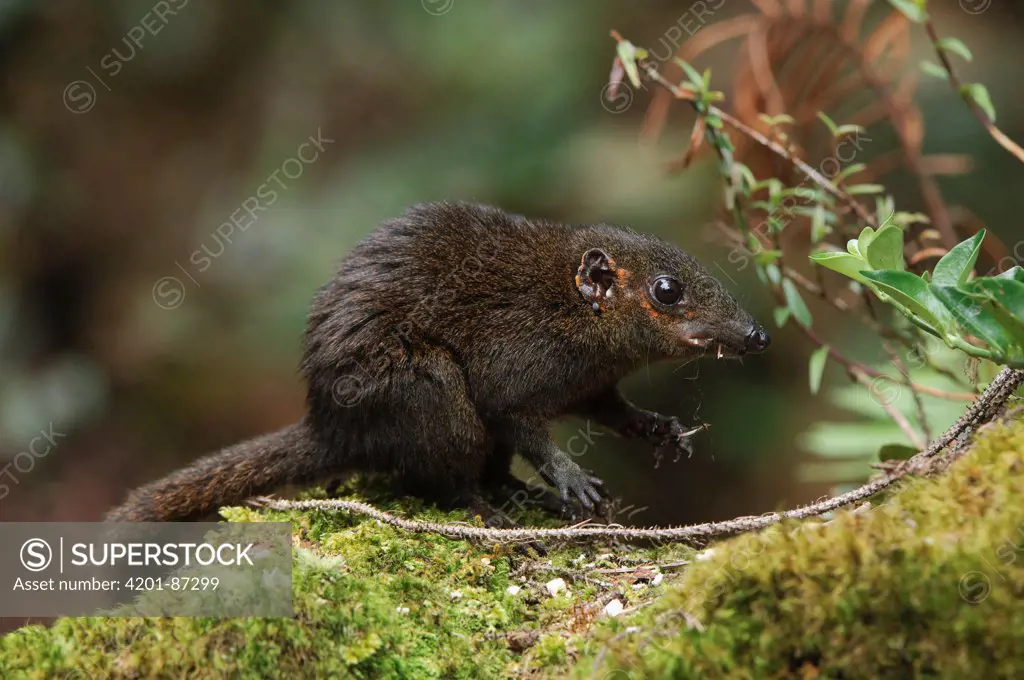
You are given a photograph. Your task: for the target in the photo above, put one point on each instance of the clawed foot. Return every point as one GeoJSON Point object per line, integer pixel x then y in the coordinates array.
{"type": "Point", "coordinates": [663, 432]}
{"type": "Point", "coordinates": [569, 478]}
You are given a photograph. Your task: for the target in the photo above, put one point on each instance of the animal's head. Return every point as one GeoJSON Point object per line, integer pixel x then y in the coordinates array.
{"type": "Point", "coordinates": [672, 303]}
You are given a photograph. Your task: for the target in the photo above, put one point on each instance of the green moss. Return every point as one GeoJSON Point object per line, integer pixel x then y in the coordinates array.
{"type": "Point", "coordinates": [370, 602]}
{"type": "Point", "coordinates": [927, 584]}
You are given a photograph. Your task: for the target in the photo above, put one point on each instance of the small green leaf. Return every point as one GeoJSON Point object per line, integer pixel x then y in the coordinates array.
{"type": "Point", "coordinates": [905, 219]}
{"type": "Point", "coordinates": [885, 250]}
{"type": "Point", "coordinates": [745, 174]}
{"type": "Point", "coordinates": [978, 93]}
{"type": "Point", "coordinates": [860, 246]}
{"type": "Point", "coordinates": [896, 452]}
{"type": "Point", "coordinates": [956, 46]}
{"type": "Point", "coordinates": [912, 294]}
{"type": "Point", "coordinates": [775, 121]}
{"type": "Point", "coordinates": [796, 303]}
{"type": "Point", "coordinates": [628, 54]}
{"type": "Point", "coordinates": [765, 257]}
{"type": "Point", "coordinates": [844, 263]}
{"type": "Point", "coordinates": [858, 189]}
{"type": "Point", "coordinates": [714, 121]}
{"type": "Point", "coordinates": [781, 315]}
{"type": "Point", "coordinates": [829, 123]}
{"type": "Point", "coordinates": [773, 273]}
{"type": "Point", "coordinates": [695, 78]}
{"type": "Point", "coordinates": [819, 227]}
{"type": "Point", "coordinates": [955, 266]}
{"type": "Point", "coordinates": [932, 69]}
{"type": "Point", "coordinates": [816, 367]}
{"type": "Point", "coordinates": [914, 11]}
{"type": "Point", "coordinates": [849, 170]}
{"type": "Point", "coordinates": [850, 129]}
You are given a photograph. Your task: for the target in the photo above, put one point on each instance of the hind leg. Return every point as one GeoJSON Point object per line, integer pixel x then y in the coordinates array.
{"type": "Point", "coordinates": [416, 423]}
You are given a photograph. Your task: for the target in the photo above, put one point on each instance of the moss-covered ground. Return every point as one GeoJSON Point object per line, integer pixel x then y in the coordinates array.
{"type": "Point", "coordinates": [924, 584]}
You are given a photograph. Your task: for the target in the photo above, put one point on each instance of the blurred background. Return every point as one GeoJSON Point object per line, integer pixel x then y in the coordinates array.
{"type": "Point", "coordinates": [147, 318]}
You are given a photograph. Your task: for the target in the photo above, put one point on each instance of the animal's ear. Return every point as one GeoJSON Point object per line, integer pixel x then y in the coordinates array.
{"type": "Point", "coordinates": [595, 278]}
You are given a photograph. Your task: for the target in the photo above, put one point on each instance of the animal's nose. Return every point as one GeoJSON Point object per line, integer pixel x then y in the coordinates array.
{"type": "Point", "coordinates": [757, 340]}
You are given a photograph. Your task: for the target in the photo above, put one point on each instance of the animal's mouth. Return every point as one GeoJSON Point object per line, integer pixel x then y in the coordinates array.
{"type": "Point", "coordinates": [721, 349]}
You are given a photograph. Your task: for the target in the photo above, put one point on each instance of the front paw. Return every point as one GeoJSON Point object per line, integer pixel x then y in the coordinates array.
{"type": "Point", "coordinates": [572, 480]}
{"type": "Point", "coordinates": [663, 432]}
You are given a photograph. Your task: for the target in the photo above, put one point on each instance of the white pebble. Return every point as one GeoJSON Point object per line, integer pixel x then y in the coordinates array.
{"type": "Point", "coordinates": [402, 610]}
{"type": "Point", "coordinates": [455, 594]}
{"type": "Point", "coordinates": [658, 578]}
{"type": "Point", "coordinates": [613, 608]}
{"type": "Point", "coordinates": [555, 586]}
{"type": "Point", "coordinates": [513, 590]}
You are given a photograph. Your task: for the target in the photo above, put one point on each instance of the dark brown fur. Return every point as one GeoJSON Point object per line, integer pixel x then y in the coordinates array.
{"type": "Point", "coordinates": [446, 342]}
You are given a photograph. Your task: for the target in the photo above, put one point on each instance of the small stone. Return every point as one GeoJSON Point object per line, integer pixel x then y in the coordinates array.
{"type": "Point", "coordinates": [613, 608]}
{"type": "Point", "coordinates": [513, 590]}
{"type": "Point", "coordinates": [485, 561]}
{"type": "Point", "coordinates": [402, 610]}
{"type": "Point", "coordinates": [555, 586]}
{"type": "Point", "coordinates": [455, 595]}
{"type": "Point", "coordinates": [658, 578]}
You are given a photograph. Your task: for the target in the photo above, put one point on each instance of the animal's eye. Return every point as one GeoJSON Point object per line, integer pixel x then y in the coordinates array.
{"type": "Point", "coordinates": [667, 290]}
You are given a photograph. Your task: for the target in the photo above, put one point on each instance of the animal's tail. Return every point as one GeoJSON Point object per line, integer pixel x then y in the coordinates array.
{"type": "Point", "coordinates": [228, 477]}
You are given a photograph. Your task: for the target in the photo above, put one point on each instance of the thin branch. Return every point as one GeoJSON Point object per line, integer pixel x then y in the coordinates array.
{"type": "Point", "coordinates": [922, 417]}
{"type": "Point", "coordinates": [987, 406]}
{"type": "Point", "coordinates": [978, 112]}
{"type": "Point", "coordinates": [819, 179]}
{"type": "Point", "coordinates": [893, 412]}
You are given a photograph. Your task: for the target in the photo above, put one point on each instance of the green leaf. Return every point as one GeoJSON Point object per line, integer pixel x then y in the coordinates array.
{"type": "Point", "coordinates": [905, 219]}
{"type": "Point", "coordinates": [1007, 296]}
{"type": "Point", "coordinates": [852, 169]}
{"type": "Point", "coordinates": [775, 121]}
{"type": "Point", "coordinates": [773, 273]}
{"type": "Point", "coordinates": [1015, 273]}
{"type": "Point", "coordinates": [767, 256]}
{"type": "Point", "coordinates": [955, 266]}
{"type": "Point", "coordinates": [896, 452]}
{"type": "Point", "coordinates": [956, 46]}
{"type": "Point", "coordinates": [692, 74]}
{"type": "Point", "coordinates": [859, 189]}
{"type": "Point", "coordinates": [745, 174]}
{"type": "Point", "coordinates": [850, 129]}
{"type": "Point", "coordinates": [829, 123]}
{"type": "Point", "coordinates": [816, 367]}
{"type": "Point", "coordinates": [628, 54]}
{"type": "Point", "coordinates": [781, 315]}
{"type": "Point", "coordinates": [796, 303]}
{"type": "Point", "coordinates": [885, 250]}
{"type": "Point", "coordinates": [914, 11]}
{"type": "Point", "coordinates": [844, 263]}
{"type": "Point", "coordinates": [1007, 291]}
{"type": "Point", "coordinates": [819, 226]}
{"type": "Point", "coordinates": [976, 316]}
{"type": "Point", "coordinates": [978, 93]}
{"type": "Point", "coordinates": [912, 294]}
{"type": "Point", "coordinates": [934, 70]}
